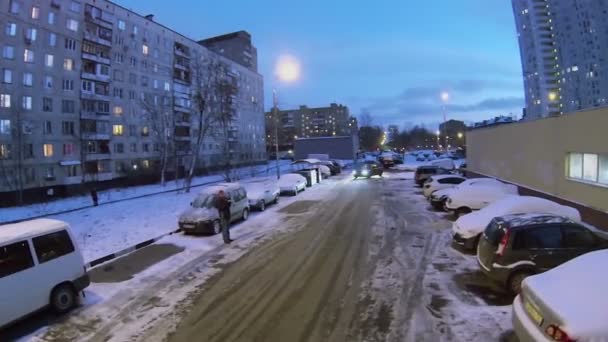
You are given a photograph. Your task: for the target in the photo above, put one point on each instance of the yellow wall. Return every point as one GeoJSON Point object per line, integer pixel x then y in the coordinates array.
{"type": "Point", "coordinates": [533, 154]}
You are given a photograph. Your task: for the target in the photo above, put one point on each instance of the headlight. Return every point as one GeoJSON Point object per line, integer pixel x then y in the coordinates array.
{"type": "Point", "coordinates": [365, 172]}
{"type": "Point", "coordinates": [354, 173]}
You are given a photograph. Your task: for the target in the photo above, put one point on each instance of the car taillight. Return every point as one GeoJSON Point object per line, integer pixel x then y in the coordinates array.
{"type": "Point", "coordinates": [503, 243]}
{"type": "Point", "coordinates": [557, 334]}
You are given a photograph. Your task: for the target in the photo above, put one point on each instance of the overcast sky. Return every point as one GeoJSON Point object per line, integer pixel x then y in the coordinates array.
{"type": "Point", "coordinates": [390, 57]}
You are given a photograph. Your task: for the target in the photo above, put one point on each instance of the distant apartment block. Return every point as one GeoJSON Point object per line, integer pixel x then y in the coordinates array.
{"type": "Point", "coordinates": [306, 122]}
{"type": "Point", "coordinates": [78, 81]}
{"type": "Point", "coordinates": [236, 46]}
{"type": "Point", "coordinates": [563, 46]}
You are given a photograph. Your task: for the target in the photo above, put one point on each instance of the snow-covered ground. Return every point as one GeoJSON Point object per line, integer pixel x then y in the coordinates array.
{"type": "Point", "coordinates": [76, 202]}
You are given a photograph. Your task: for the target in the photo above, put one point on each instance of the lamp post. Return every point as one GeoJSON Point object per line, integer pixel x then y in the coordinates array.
{"type": "Point", "coordinates": [287, 70]}
{"type": "Point", "coordinates": [438, 134]}
{"type": "Point", "coordinates": [444, 99]}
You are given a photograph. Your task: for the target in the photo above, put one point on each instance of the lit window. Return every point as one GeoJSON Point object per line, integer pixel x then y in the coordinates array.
{"type": "Point", "coordinates": [72, 25]}
{"type": "Point", "coordinates": [31, 33]}
{"type": "Point", "coordinates": [5, 101]}
{"type": "Point", "coordinates": [5, 126]}
{"type": "Point", "coordinates": [27, 103]}
{"type": "Point", "coordinates": [118, 111]}
{"type": "Point", "coordinates": [145, 131]}
{"type": "Point", "coordinates": [7, 76]}
{"type": "Point", "coordinates": [121, 25]}
{"type": "Point", "coordinates": [5, 151]}
{"type": "Point", "coordinates": [146, 163]}
{"type": "Point", "coordinates": [603, 170]}
{"type": "Point", "coordinates": [47, 150]}
{"type": "Point", "coordinates": [75, 6]}
{"type": "Point", "coordinates": [51, 18]}
{"type": "Point", "coordinates": [48, 60]}
{"type": "Point", "coordinates": [10, 29]}
{"type": "Point", "coordinates": [167, 86]}
{"type": "Point", "coordinates": [35, 12]}
{"type": "Point", "coordinates": [144, 49]}
{"type": "Point", "coordinates": [117, 129]}
{"type": "Point", "coordinates": [28, 56]}
{"type": "Point", "coordinates": [68, 64]}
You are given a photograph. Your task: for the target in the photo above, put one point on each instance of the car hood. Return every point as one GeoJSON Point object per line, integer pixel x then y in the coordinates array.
{"type": "Point", "coordinates": [198, 215]}
{"type": "Point", "coordinates": [443, 192]}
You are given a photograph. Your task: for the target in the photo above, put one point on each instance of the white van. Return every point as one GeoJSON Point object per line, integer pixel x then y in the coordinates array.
{"type": "Point", "coordinates": [40, 266]}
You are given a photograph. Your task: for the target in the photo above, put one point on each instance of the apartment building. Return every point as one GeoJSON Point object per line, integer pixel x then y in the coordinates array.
{"type": "Point", "coordinates": [563, 47]}
{"type": "Point", "coordinates": [305, 122]}
{"type": "Point", "coordinates": [85, 85]}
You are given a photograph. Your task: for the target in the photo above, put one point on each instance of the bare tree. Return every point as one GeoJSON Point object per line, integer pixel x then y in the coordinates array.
{"type": "Point", "coordinates": [226, 111]}
{"type": "Point", "coordinates": [11, 160]}
{"type": "Point", "coordinates": [206, 75]}
{"type": "Point", "coordinates": [158, 114]}
{"type": "Point", "coordinates": [365, 119]}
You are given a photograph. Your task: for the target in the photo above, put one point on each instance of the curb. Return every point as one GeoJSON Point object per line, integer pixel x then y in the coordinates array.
{"type": "Point", "coordinates": [128, 250]}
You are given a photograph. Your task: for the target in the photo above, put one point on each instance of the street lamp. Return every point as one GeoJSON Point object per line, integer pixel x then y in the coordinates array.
{"type": "Point", "coordinates": [444, 99]}
{"type": "Point", "coordinates": [460, 135]}
{"type": "Point", "coordinates": [287, 70]}
{"type": "Point", "coordinates": [438, 134]}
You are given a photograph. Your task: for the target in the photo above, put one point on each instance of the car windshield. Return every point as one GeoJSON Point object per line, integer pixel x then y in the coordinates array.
{"type": "Point", "coordinates": [204, 202]}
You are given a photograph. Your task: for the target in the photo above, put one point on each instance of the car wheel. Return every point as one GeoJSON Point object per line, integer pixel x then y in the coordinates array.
{"type": "Point", "coordinates": [462, 211]}
{"type": "Point", "coordinates": [245, 214]}
{"type": "Point", "coordinates": [262, 206]}
{"type": "Point", "coordinates": [63, 298]}
{"type": "Point", "coordinates": [217, 227]}
{"type": "Point", "coordinates": [515, 280]}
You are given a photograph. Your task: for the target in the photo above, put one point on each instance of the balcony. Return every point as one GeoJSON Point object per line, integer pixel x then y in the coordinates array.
{"type": "Point", "coordinates": [181, 109]}
{"type": "Point", "coordinates": [97, 156]}
{"type": "Point", "coordinates": [97, 20]}
{"type": "Point", "coordinates": [94, 96]}
{"type": "Point", "coordinates": [95, 136]}
{"type": "Point", "coordinates": [95, 77]}
{"type": "Point", "coordinates": [181, 51]}
{"type": "Point", "coordinates": [96, 58]}
{"type": "Point", "coordinates": [94, 115]}
{"type": "Point", "coordinates": [180, 66]}
{"type": "Point", "coordinates": [96, 39]}
{"type": "Point", "coordinates": [183, 123]}
{"type": "Point", "coordinates": [98, 177]}
{"type": "Point", "coordinates": [72, 180]}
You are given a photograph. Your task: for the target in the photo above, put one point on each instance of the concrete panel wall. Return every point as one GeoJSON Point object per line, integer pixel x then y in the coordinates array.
{"type": "Point", "coordinates": [534, 154]}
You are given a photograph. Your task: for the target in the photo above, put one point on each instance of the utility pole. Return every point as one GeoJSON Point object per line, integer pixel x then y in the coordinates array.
{"type": "Point", "coordinates": [276, 130]}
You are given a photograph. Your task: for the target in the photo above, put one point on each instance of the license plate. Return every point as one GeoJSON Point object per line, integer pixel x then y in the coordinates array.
{"type": "Point", "coordinates": [533, 313]}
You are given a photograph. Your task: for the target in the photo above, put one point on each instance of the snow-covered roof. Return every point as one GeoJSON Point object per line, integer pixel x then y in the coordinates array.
{"type": "Point", "coordinates": [438, 177]}
{"type": "Point", "coordinates": [307, 160]}
{"type": "Point", "coordinates": [576, 292]}
{"type": "Point", "coordinates": [25, 229]}
{"type": "Point", "coordinates": [222, 186]}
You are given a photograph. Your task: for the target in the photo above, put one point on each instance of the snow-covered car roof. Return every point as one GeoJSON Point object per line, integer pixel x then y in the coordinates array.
{"type": "Point", "coordinates": [255, 189]}
{"type": "Point", "coordinates": [16, 231]}
{"type": "Point", "coordinates": [292, 177]}
{"type": "Point", "coordinates": [438, 177]}
{"type": "Point", "coordinates": [576, 292]}
{"type": "Point", "coordinates": [484, 189]}
{"type": "Point", "coordinates": [307, 160]}
{"type": "Point", "coordinates": [213, 189]}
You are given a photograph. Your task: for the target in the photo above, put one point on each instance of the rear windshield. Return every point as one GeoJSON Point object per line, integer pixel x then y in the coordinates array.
{"type": "Point", "coordinates": [494, 233]}
{"type": "Point", "coordinates": [426, 170]}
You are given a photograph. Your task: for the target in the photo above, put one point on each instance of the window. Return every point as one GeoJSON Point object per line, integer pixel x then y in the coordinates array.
{"type": "Point", "coordinates": [51, 18]}
{"type": "Point", "coordinates": [28, 151]}
{"type": "Point", "coordinates": [5, 126]}
{"type": "Point", "coordinates": [68, 106]}
{"type": "Point", "coordinates": [117, 110]}
{"type": "Point", "coordinates": [590, 167]}
{"type": "Point", "coordinates": [167, 86]}
{"type": "Point", "coordinates": [52, 246]}
{"type": "Point", "coordinates": [131, 94]}
{"type": "Point", "coordinates": [31, 34]}
{"type": "Point", "coordinates": [118, 75]}
{"type": "Point", "coordinates": [540, 237]}
{"type": "Point", "coordinates": [68, 64]}
{"type": "Point", "coordinates": [47, 150]}
{"type": "Point", "coordinates": [67, 85]}
{"type": "Point", "coordinates": [48, 60]}
{"type": "Point", "coordinates": [117, 129]}
{"type": "Point", "coordinates": [71, 25]}
{"type": "Point", "coordinates": [145, 131]}
{"type": "Point", "coordinates": [50, 173]}
{"type": "Point", "coordinates": [15, 258]}
{"type": "Point", "coordinates": [52, 39]}
{"type": "Point", "coordinates": [7, 76]}
{"type": "Point", "coordinates": [47, 104]}
{"type": "Point", "coordinates": [132, 130]}
{"type": "Point", "coordinates": [67, 128]}
{"type": "Point", "coordinates": [118, 92]}
{"type": "Point", "coordinates": [132, 78]}
{"type": "Point", "coordinates": [133, 147]}
{"type": "Point", "coordinates": [134, 29]}
{"type": "Point", "coordinates": [577, 237]}
{"type": "Point", "coordinates": [575, 165]}
{"type": "Point", "coordinates": [47, 128]}
{"type": "Point", "coordinates": [27, 79]}
{"type": "Point", "coordinates": [15, 7]}
{"type": "Point", "coordinates": [144, 49]}
{"type": "Point", "coordinates": [69, 44]}
{"type": "Point", "coordinates": [71, 170]}
{"type": "Point", "coordinates": [133, 61]}
{"type": "Point", "coordinates": [5, 101]}
{"type": "Point", "coordinates": [144, 81]}
{"type": "Point", "coordinates": [75, 6]}
{"type": "Point", "coordinates": [27, 103]}
{"type": "Point", "coordinates": [5, 151]}
{"type": "Point", "coordinates": [87, 86]}
{"type": "Point", "coordinates": [118, 57]}
{"type": "Point", "coordinates": [145, 147]}
{"type": "Point", "coordinates": [10, 29]}
{"type": "Point", "coordinates": [35, 12]}
{"type": "Point", "coordinates": [119, 148]}
{"type": "Point", "coordinates": [104, 70]}
{"type": "Point", "coordinates": [121, 25]}
{"type": "Point", "coordinates": [68, 149]}
{"type": "Point", "coordinates": [8, 52]}
{"type": "Point", "coordinates": [155, 84]}
{"type": "Point", "coordinates": [28, 56]}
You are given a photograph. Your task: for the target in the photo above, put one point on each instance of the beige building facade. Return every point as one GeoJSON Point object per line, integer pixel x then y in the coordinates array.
{"type": "Point", "coordinates": [565, 157]}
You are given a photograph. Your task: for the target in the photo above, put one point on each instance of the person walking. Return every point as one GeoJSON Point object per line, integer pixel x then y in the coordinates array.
{"type": "Point", "coordinates": [222, 204]}
{"type": "Point", "coordinates": [94, 197]}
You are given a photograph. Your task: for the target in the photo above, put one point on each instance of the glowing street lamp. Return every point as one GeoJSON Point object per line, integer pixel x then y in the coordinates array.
{"type": "Point", "coordinates": [460, 135]}
{"type": "Point", "coordinates": [445, 96]}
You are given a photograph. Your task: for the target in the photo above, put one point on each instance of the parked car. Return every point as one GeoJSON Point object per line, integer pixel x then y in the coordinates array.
{"type": "Point", "coordinates": [334, 168]}
{"type": "Point", "coordinates": [262, 193]}
{"type": "Point", "coordinates": [40, 266]}
{"type": "Point", "coordinates": [445, 163]}
{"type": "Point", "coordinates": [387, 160]}
{"type": "Point", "coordinates": [367, 170]}
{"type": "Point", "coordinates": [424, 172]}
{"type": "Point", "coordinates": [203, 217]}
{"type": "Point", "coordinates": [325, 171]}
{"type": "Point", "coordinates": [292, 183]}
{"type": "Point", "coordinates": [514, 247]}
{"type": "Point", "coordinates": [465, 200]}
{"type": "Point", "coordinates": [567, 303]}
{"type": "Point", "coordinates": [468, 228]}
{"type": "Point", "coordinates": [439, 182]}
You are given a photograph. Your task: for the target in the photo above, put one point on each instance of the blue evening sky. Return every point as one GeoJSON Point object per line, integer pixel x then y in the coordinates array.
{"type": "Point", "coordinates": [391, 58]}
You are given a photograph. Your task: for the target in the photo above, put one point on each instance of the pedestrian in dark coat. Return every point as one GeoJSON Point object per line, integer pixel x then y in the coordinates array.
{"type": "Point", "coordinates": [222, 204]}
{"type": "Point", "coordinates": [94, 197]}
